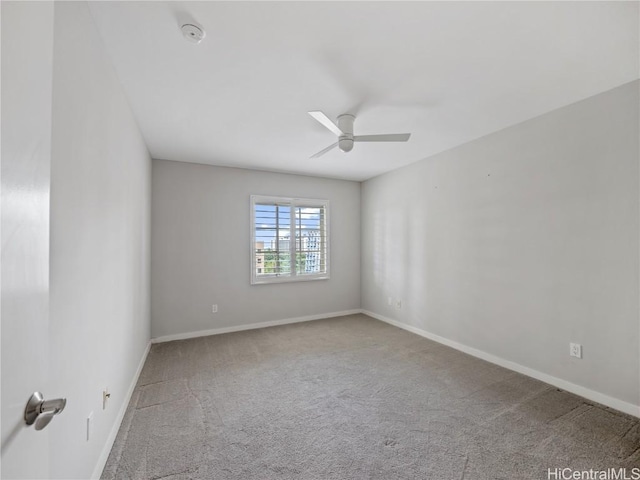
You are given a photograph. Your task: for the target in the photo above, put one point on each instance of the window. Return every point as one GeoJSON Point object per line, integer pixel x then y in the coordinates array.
{"type": "Point", "coordinates": [272, 247]}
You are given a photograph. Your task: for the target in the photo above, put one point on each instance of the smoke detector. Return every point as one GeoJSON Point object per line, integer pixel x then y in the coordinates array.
{"type": "Point", "coordinates": [192, 32]}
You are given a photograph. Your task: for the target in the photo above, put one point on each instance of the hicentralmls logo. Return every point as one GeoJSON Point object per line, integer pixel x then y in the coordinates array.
{"type": "Point", "coordinates": [606, 474]}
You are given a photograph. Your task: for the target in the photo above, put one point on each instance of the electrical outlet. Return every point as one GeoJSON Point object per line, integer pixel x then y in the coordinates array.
{"type": "Point", "coordinates": [89, 425]}
{"type": "Point", "coordinates": [575, 350]}
{"type": "Point", "coordinates": [214, 308]}
{"type": "Point", "coordinates": [398, 304]}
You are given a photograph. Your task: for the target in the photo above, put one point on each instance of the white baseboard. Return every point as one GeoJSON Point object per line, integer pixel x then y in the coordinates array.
{"type": "Point", "coordinates": [251, 326]}
{"type": "Point", "coordinates": [584, 392]}
{"type": "Point", "coordinates": [106, 450]}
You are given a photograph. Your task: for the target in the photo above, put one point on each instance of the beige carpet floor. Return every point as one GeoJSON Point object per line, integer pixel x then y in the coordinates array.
{"type": "Point", "coordinates": [353, 398]}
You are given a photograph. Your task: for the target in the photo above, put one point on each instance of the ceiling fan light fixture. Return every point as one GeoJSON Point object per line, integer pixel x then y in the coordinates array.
{"type": "Point", "coordinates": [345, 144]}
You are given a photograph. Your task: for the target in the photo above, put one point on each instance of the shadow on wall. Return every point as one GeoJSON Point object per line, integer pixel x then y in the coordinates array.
{"type": "Point", "coordinates": [391, 255]}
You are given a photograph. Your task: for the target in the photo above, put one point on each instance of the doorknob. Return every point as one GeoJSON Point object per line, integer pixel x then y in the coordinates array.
{"type": "Point", "coordinates": [41, 411]}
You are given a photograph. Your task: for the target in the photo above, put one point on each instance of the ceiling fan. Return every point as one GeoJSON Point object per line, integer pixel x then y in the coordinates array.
{"type": "Point", "coordinates": [344, 131]}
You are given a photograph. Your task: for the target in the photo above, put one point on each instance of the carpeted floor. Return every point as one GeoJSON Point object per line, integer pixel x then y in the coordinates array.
{"type": "Point", "coordinates": [353, 398]}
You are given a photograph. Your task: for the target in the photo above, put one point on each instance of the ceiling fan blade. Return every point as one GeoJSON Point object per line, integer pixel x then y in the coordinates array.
{"type": "Point", "coordinates": [324, 120]}
{"type": "Point", "coordinates": [324, 150]}
{"type": "Point", "coordinates": [390, 137]}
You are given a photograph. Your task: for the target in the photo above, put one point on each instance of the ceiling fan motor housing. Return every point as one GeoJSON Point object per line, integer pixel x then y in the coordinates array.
{"type": "Point", "coordinates": [345, 123]}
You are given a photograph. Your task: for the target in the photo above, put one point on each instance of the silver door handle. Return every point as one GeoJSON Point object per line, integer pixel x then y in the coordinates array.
{"type": "Point", "coordinates": [41, 411]}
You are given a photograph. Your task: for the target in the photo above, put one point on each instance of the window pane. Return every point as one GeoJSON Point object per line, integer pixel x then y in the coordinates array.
{"type": "Point", "coordinates": [272, 236]}
{"type": "Point", "coordinates": [310, 240]}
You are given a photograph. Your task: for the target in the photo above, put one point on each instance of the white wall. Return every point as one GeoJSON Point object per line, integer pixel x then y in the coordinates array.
{"type": "Point", "coordinates": [100, 200]}
{"type": "Point", "coordinates": [201, 249]}
{"type": "Point", "coordinates": [520, 242]}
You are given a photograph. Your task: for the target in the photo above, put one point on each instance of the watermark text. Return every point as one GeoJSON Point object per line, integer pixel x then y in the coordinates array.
{"type": "Point", "coordinates": [591, 474]}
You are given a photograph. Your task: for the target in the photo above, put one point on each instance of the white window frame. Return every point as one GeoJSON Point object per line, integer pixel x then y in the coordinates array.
{"type": "Point", "coordinates": [293, 276]}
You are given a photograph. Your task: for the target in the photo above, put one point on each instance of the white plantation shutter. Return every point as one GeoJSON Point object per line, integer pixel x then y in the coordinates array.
{"type": "Point", "coordinates": [289, 239]}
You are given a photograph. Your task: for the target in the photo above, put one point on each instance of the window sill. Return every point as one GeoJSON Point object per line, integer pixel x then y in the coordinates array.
{"type": "Point", "coordinates": [300, 278]}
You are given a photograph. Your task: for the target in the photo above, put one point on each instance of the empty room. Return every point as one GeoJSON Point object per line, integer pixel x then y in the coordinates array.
{"type": "Point", "coordinates": [320, 240]}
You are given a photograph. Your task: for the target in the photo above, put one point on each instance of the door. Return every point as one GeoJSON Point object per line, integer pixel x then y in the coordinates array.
{"type": "Point", "coordinates": [27, 58]}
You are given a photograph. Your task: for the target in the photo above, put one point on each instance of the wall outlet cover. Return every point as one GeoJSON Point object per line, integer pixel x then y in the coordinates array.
{"type": "Point", "coordinates": [575, 350]}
